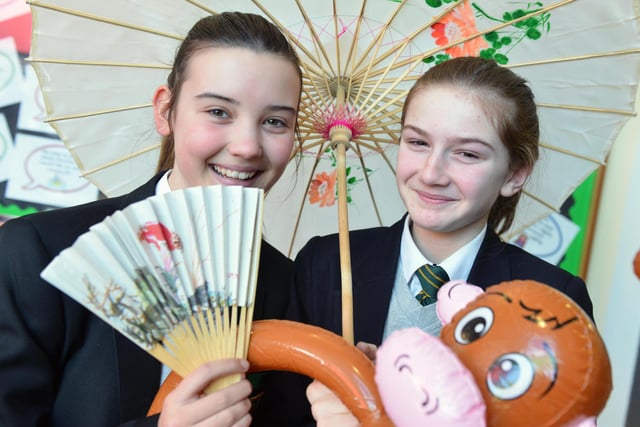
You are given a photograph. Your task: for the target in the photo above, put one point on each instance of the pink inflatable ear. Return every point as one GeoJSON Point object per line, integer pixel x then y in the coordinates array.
{"type": "Point", "coordinates": [453, 296]}
{"type": "Point", "coordinates": [582, 422]}
{"type": "Point", "coordinates": [423, 383]}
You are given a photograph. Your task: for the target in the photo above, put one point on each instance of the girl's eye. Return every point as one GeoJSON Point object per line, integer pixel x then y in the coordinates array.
{"type": "Point", "coordinates": [416, 142]}
{"type": "Point", "coordinates": [469, 155]}
{"type": "Point", "coordinates": [275, 122]}
{"type": "Point", "coordinates": [218, 112]}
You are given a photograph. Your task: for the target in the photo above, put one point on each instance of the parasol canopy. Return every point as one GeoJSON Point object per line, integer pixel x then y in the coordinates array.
{"type": "Point", "coordinates": [98, 64]}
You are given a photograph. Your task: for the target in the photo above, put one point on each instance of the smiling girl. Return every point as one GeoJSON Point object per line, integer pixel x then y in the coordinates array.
{"type": "Point", "coordinates": [227, 116]}
{"type": "Point", "coordinates": [469, 141]}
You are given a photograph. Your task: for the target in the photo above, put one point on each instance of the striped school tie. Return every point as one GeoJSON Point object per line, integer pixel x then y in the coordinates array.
{"type": "Point", "coordinates": [431, 277]}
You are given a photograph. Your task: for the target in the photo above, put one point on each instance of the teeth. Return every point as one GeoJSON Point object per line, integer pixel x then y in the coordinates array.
{"type": "Point", "coordinates": [234, 174]}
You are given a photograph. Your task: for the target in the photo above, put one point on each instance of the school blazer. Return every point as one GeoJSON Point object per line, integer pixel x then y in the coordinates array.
{"type": "Point", "coordinates": [59, 364]}
{"type": "Point", "coordinates": [374, 257]}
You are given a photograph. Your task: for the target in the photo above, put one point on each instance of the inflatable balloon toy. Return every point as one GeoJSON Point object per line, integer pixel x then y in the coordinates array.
{"type": "Point", "coordinates": [423, 383]}
{"type": "Point", "coordinates": [519, 354]}
{"type": "Point", "coordinates": [535, 354]}
{"type": "Point", "coordinates": [284, 345]}
{"type": "Point", "coordinates": [535, 357]}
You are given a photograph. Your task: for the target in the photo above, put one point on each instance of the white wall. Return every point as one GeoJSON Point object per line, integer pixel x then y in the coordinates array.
{"type": "Point", "coordinates": [612, 283]}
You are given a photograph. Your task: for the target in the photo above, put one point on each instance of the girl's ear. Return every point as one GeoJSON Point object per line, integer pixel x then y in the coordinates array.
{"type": "Point", "coordinates": [161, 99]}
{"type": "Point", "coordinates": [515, 182]}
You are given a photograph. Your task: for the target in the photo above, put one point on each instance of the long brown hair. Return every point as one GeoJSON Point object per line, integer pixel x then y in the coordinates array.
{"type": "Point", "coordinates": [511, 101]}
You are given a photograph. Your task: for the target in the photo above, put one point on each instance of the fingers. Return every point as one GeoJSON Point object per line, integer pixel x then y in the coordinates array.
{"type": "Point", "coordinates": [187, 404]}
{"type": "Point", "coordinates": [368, 349]}
{"type": "Point", "coordinates": [327, 409]}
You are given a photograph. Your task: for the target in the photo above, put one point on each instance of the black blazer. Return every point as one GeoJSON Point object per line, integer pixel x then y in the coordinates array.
{"type": "Point", "coordinates": [374, 258]}
{"type": "Point", "coordinates": [59, 364]}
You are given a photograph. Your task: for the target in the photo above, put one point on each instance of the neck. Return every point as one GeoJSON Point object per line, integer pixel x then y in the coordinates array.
{"type": "Point", "coordinates": [438, 246]}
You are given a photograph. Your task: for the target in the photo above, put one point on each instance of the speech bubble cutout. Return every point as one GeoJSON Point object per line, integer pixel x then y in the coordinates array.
{"type": "Point", "coordinates": [51, 167]}
{"type": "Point", "coordinates": [8, 70]}
{"type": "Point", "coordinates": [549, 238]}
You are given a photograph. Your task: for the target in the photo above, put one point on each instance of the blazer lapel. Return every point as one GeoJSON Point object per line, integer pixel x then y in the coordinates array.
{"type": "Point", "coordinates": [138, 372]}
{"type": "Point", "coordinates": [139, 377]}
{"type": "Point", "coordinates": [491, 265]}
{"type": "Point", "coordinates": [374, 271]}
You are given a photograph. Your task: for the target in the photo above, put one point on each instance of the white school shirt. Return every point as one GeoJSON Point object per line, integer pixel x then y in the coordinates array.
{"type": "Point", "coordinates": [404, 309]}
{"type": "Point", "coordinates": [163, 187]}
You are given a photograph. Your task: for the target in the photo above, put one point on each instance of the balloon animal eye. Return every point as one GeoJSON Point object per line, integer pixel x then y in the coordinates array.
{"type": "Point", "coordinates": [405, 367]}
{"type": "Point", "coordinates": [473, 325]}
{"type": "Point", "coordinates": [510, 376]}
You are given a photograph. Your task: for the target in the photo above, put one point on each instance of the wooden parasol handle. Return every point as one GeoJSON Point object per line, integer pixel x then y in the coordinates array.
{"type": "Point", "coordinates": [284, 345]}
{"type": "Point", "coordinates": [345, 250]}
{"type": "Point", "coordinates": [340, 136]}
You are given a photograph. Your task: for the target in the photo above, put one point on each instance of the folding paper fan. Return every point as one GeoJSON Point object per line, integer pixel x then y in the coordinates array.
{"type": "Point", "coordinates": [175, 273]}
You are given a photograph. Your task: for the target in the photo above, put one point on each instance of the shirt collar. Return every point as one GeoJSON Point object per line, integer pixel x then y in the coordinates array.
{"type": "Point", "coordinates": [458, 265]}
{"type": "Point", "coordinates": [163, 183]}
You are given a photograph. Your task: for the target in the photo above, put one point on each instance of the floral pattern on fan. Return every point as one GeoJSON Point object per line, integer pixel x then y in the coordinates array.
{"type": "Point", "coordinates": [173, 272]}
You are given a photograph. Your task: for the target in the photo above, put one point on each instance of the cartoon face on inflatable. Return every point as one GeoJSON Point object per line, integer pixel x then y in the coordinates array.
{"type": "Point", "coordinates": [534, 353]}
{"type": "Point", "coordinates": [422, 383]}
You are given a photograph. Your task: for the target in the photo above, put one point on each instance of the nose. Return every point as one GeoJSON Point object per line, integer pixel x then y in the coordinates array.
{"type": "Point", "coordinates": [245, 142]}
{"type": "Point", "coordinates": [434, 169]}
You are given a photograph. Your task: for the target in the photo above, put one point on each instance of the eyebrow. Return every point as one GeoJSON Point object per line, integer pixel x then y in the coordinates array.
{"type": "Point", "coordinates": [273, 107]}
{"type": "Point", "coordinates": [536, 314]}
{"type": "Point", "coordinates": [501, 294]}
{"type": "Point", "coordinates": [425, 134]}
{"type": "Point", "coordinates": [211, 95]}
{"type": "Point", "coordinates": [402, 356]}
{"type": "Point", "coordinates": [415, 129]}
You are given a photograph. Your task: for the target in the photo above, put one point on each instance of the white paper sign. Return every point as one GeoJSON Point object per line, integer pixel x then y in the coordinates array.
{"type": "Point", "coordinates": [6, 148]}
{"type": "Point", "coordinates": [44, 172]}
{"type": "Point", "coordinates": [11, 80]}
{"type": "Point", "coordinates": [549, 238]}
{"type": "Point", "coordinates": [32, 110]}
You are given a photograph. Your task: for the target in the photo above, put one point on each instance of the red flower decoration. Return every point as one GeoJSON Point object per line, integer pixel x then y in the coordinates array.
{"type": "Point", "coordinates": [458, 24]}
{"type": "Point", "coordinates": [323, 189]}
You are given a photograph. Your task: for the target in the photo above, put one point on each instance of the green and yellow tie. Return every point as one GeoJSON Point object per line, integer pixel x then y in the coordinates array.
{"type": "Point", "coordinates": [431, 277]}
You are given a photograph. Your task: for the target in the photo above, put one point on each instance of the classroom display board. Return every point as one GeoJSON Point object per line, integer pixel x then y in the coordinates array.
{"type": "Point", "coordinates": [36, 170]}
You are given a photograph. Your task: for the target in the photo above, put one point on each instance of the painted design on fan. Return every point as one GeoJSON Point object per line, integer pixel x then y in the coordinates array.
{"type": "Point", "coordinates": [156, 232]}
{"type": "Point", "coordinates": [461, 22]}
{"type": "Point", "coordinates": [148, 316]}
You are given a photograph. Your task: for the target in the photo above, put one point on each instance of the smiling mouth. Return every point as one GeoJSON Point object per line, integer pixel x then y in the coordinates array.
{"type": "Point", "coordinates": [425, 404]}
{"type": "Point", "coordinates": [233, 174]}
{"type": "Point", "coordinates": [434, 198]}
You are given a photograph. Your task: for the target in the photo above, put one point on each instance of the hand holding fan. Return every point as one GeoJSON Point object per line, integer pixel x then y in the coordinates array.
{"type": "Point", "coordinates": [175, 273]}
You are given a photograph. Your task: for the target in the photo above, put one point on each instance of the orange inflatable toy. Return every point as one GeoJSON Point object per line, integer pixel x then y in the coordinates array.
{"type": "Point", "coordinates": [535, 354]}
{"type": "Point", "coordinates": [283, 345]}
